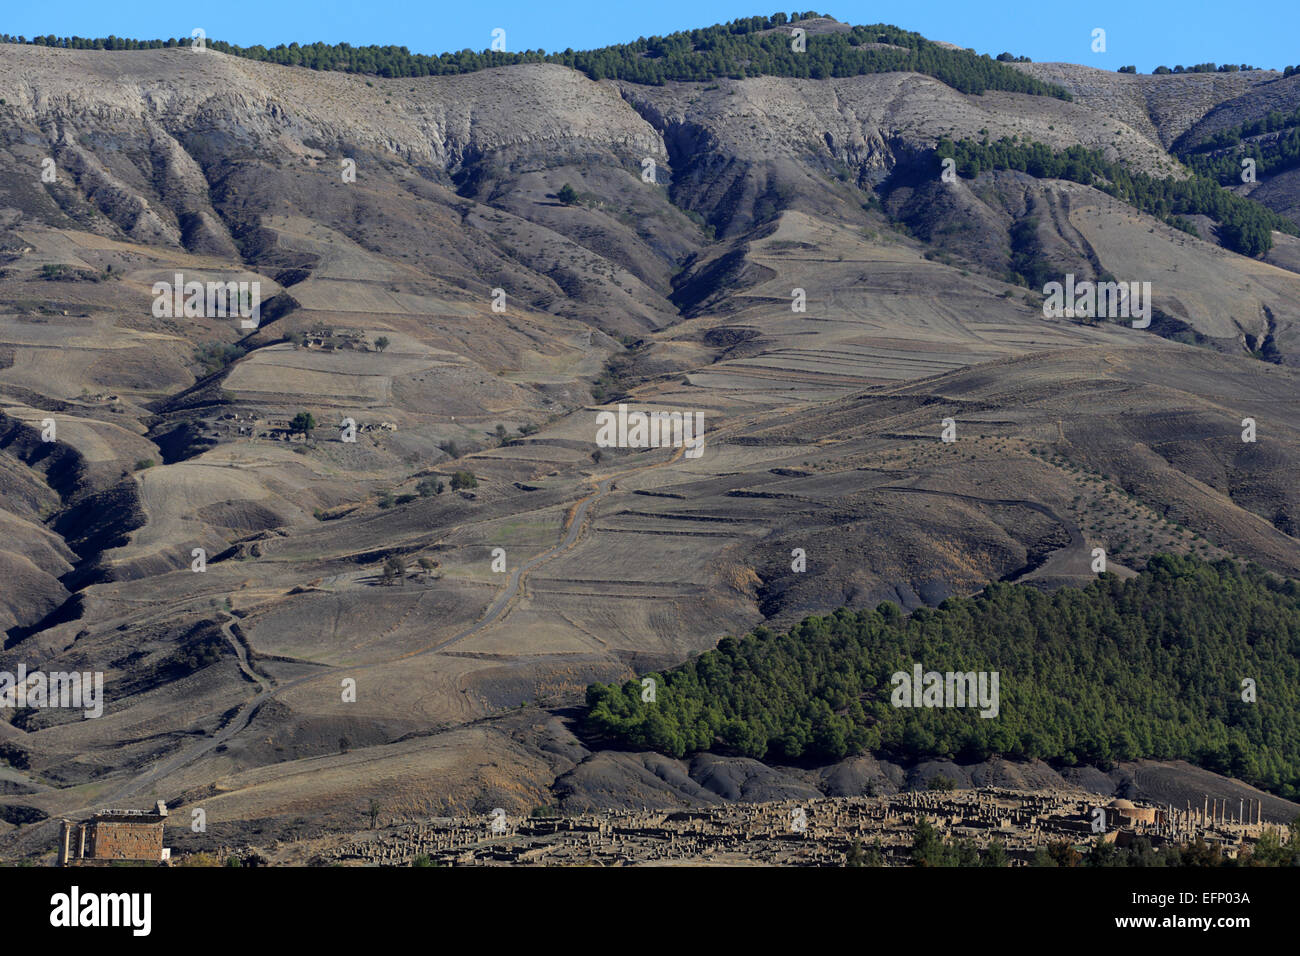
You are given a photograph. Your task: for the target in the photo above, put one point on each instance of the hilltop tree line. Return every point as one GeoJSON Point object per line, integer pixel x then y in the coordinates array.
{"type": "Point", "coordinates": [1244, 225]}
{"type": "Point", "coordinates": [691, 55]}
{"type": "Point", "coordinates": [752, 46]}
{"type": "Point", "coordinates": [1118, 670]}
{"type": "Point", "coordinates": [1200, 68]}
{"type": "Point", "coordinates": [1203, 68]}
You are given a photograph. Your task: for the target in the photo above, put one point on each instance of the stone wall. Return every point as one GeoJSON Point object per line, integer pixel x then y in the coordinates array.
{"type": "Point", "coordinates": [121, 840]}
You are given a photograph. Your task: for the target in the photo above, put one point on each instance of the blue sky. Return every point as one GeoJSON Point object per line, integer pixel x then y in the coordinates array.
{"type": "Point", "coordinates": [1140, 32]}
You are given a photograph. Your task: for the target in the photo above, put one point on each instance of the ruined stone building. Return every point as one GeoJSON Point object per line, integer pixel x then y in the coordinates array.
{"type": "Point", "coordinates": [114, 835]}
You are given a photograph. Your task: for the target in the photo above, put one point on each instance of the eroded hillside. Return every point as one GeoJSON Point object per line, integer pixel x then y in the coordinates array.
{"type": "Point", "coordinates": [665, 278]}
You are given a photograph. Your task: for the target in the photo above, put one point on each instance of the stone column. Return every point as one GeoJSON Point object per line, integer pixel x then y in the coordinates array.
{"type": "Point", "coordinates": [65, 841]}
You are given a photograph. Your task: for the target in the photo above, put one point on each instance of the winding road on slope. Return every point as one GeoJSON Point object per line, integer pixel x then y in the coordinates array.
{"type": "Point", "coordinates": [244, 715]}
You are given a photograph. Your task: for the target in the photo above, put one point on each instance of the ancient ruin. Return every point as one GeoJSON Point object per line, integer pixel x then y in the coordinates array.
{"type": "Point", "coordinates": [112, 836]}
{"type": "Point", "coordinates": [796, 833]}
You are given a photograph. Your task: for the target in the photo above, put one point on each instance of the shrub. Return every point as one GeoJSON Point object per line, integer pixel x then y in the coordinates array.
{"type": "Point", "coordinates": [394, 569]}
{"type": "Point", "coordinates": [302, 423]}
